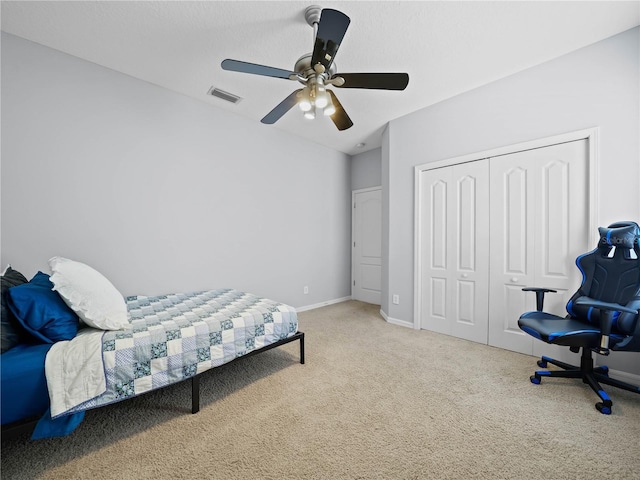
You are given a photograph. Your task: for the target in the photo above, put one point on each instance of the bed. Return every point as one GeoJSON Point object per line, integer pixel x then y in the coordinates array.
{"type": "Point", "coordinates": [73, 352]}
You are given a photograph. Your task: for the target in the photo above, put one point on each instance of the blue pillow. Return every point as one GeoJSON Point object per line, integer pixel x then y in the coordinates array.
{"type": "Point", "coordinates": [41, 311]}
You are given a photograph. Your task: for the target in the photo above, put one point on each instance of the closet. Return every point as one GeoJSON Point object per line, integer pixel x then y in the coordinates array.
{"type": "Point", "coordinates": [489, 227]}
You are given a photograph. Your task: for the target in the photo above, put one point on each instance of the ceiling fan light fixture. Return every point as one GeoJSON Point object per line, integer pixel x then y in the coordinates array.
{"type": "Point", "coordinates": [310, 115]}
{"type": "Point", "coordinates": [320, 93]}
{"type": "Point", "coordinates": [305, 103]}
{"type": "Point", "coordinates": [322, 99]}
{"type": "Point", "coordinates": [330, 109]}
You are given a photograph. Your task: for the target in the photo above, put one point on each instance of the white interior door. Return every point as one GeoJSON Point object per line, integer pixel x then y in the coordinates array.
{"type": "Point", "coordinates": [367, 245]}
{"type": "Point", "coordinates": [454, 250]}
{"type": "Point", "coordinates": [539, 225]}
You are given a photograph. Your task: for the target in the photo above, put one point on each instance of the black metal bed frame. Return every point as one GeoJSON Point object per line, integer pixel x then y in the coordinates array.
{"type": "Point", "coordinates": [20, 427]}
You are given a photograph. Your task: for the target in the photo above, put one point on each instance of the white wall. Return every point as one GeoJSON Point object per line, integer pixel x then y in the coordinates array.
{"type": "Point", "coordinates": [366, 169]}
{"type": "Point", "coordinates": [160, 192]}
{"type": "Point", "coordinates": [597, 86]}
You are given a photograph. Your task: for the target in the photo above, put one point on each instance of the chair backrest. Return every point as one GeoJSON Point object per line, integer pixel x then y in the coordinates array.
{"type": "Point", "coordinates": [611, 273]}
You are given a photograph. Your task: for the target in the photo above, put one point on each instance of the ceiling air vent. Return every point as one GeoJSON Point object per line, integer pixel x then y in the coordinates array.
{"type": "Point", "coordinates": [229, 97]}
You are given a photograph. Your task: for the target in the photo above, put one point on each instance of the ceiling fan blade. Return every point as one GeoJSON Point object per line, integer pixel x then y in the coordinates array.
{"type": "Point", "coordinates": [283, 107]}
{"type": "Point", "coordinates": [340, 117]}
{"type": "Point", "coordinates": [331, 29]}
{"type": "Point", "coordinates": [255, 69]}
{"type": "Point", "coordinates": [380, 81]}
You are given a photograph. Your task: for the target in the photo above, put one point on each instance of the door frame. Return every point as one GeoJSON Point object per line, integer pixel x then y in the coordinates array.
{"type": "Point", "coordinates": [591, 135]}
{"type": "Point", "coordinates": [353, 228]}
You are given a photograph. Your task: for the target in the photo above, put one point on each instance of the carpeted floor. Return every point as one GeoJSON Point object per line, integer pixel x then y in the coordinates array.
{"type": "Point", "coordinates": [373, 401]}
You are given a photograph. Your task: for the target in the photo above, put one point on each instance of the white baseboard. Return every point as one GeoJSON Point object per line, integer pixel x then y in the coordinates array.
{"type": "Point", "coordinates": [620, 375]}
{"type": "Point", "coordinates": [395, 321]}
{"type": "Point", "coordinates": [322, 304]}
{"type": "Point", "coordinates": [625, 376]}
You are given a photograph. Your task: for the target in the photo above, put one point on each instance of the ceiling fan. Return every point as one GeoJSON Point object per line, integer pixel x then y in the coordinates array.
{"type": "Point", "coordinates": [316, 70]}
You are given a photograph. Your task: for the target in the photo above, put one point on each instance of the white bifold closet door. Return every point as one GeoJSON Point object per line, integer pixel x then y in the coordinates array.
{"type": "Point", "coordinates": [539, 221]}
{"type": "Point", "coordinates": [490, 227]}
{"type": "Point", "coordinates": [455, 233]}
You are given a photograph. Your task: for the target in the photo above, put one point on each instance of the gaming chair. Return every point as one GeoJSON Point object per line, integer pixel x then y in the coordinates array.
{"type": "Point", "coordinates": [602, 314]}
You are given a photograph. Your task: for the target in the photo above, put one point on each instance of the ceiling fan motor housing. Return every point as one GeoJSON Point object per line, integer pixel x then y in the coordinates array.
{"type": "Point", "coordinates": [307, 72]}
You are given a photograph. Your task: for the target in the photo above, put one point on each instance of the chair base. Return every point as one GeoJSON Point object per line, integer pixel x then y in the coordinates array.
{"type": "Point", "coordinates": [589, 375]}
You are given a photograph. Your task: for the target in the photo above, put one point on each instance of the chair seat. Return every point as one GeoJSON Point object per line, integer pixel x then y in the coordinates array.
{"type": "Point", "coordinates": [563, 331]}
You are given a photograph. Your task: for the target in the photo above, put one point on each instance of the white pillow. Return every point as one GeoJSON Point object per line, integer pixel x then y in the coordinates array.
{"type": "Point", "coordinates": [88, 293]}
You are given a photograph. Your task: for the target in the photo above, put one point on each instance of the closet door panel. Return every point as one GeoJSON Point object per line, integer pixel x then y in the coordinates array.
{"type": "Point", "coordinates": [454, 250]}
{"type": "Point", "coordinates": [539, 220]}
{"type": "Point", "coordinates": [434, 249]}
{"type": "Point", "coordinates": [563, 228]}
{"type": "Point", "coordinates": [512, 228]}
{"type": "Point", "coordinates": [470, 263]}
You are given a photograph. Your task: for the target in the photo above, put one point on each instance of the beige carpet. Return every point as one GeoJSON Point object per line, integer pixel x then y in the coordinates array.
{"type": "Point", "coordinates": [373, 401]}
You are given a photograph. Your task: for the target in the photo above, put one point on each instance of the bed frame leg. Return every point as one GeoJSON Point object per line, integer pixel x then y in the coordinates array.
{"type": "Point", "coordinates": [195, 380]}
{"type": "Point", "coordinates": [195, 394]}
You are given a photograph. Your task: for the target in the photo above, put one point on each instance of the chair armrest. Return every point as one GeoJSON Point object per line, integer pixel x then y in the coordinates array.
{"type": "Point", "coordinates": [606, 318]}
{"type": "Point", "coordinates": [614, 307]}
{"type": "Point", "coordinates": [539, 295]}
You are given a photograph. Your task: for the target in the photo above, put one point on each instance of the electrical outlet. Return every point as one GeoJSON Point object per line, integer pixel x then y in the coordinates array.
{"type": "Point", "coordinates": [306, 290]}
{"type": "Point", "coordinates": [396, 300]}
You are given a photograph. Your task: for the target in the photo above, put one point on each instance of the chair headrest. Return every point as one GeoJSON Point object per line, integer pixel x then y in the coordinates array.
{"type": "Point", "coordinates": [625, 237]}
{"type": "Point", "coordinates": [621, 235]}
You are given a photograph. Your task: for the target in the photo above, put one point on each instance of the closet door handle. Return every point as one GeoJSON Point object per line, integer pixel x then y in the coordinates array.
{"type": "Point", "coordinates": [465, 275]}
{"type": "Point", "coordinates": [514, 279]}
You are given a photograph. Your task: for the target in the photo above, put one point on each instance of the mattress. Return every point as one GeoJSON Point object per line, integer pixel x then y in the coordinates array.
{"type": "Point", "coordinates": [170, 338]}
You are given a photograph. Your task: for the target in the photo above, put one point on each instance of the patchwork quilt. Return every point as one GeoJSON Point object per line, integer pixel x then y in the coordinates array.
{"type": "Point", "coordinates": [170, 338]}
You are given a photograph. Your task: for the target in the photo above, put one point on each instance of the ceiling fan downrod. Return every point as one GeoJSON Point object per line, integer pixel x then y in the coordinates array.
{"type": "Point", "coordinates": [314, 98]}
{"type": "Point", "coordinates": [312, 16]}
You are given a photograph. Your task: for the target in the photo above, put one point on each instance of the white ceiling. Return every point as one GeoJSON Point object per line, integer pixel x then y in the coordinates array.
{"type": "Point", "coordinates": [447, 47]}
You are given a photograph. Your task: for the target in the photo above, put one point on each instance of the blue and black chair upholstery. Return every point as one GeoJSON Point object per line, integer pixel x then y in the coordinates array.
{"type": "Point", "coordinates": [603, 313]}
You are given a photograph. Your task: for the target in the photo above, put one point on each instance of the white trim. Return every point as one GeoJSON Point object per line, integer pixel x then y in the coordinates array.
{"type": "Point", "coordinates": [417, 238]}
{"type": "Point", "coordinates": [364, 190]}
{"type": "Point", "coordinates": [322, 304]}
{"type": "Point", "coordinates": [625, 376]}
{"type": "Point", "coordinates": [593, 191]}
{"type": "Point", "coordinates": [590, 134]}
{"type": "Point", "coordinates": [353, 234]}
{"type": "Point", "coordinates": [396, 321]}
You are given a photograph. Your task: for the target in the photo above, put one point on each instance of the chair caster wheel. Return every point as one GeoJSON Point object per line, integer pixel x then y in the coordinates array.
{"type": "Point", "coordinates": [542, 364]}
{"type": "Point", "coordinates": [535, 380]}
{"type": "Point", "coordinates": [602, 408]}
